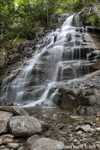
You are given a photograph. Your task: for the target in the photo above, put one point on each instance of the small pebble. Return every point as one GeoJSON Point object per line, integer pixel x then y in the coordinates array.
{"type": "Point", "coordinates": [97, 142]}
{"type": "Point", "coordinates": [98, 115]}
{"type": "Point", "coordinates": [0, 141]}
{"type": "Point", "coordinates": [75, 140]}
{"type": "Point", "coordinates": [88, 122]}
{"type": "Point", "coordinates": [98, 146]}
{"type": "Point", "coordinates": [47, 134]}
{"type": "Point", "coordinates": [8, 140]}
{"type": "Point", "coordinates": [98, 129]}
{"type": "Point", "coordinates": [21, 148]}
{"type": "Point", "coordinates": [5, 149]}
{"type": "Point", "coordinates": [54, 116]}
{"type": "Point", "coordinates": [8, 136]}
{"type": "Point", "coordinates": [2, 146]}
{"type": "Point", "coordinates": [13, 145]}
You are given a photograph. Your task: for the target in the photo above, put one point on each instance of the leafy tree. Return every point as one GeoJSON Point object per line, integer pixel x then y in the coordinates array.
{"type": "Point", "coordinates": [6, 17]}
{"type": "Point", "coordinates": [23, 18]}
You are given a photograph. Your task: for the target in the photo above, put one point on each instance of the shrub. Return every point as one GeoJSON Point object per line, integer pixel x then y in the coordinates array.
{"type": "Point", "coordinates": [94, 20]}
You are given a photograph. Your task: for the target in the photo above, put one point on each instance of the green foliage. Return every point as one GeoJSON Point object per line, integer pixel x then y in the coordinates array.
{"type": "Point", "coordinates": [24, 18]}
{"type": "Point", "coordinates": [6, 18]}
{"type": "Point", "coordinates": [7, 45]}
{"type": "Point", "coordinates": [19, 40]}
{"type": "Point", "coordinates": [94, 20]}
{"type": "Point", "coordinates": [60, 10]}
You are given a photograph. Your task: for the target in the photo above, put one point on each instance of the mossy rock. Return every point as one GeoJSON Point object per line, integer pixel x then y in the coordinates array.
{"type": "Point", "coordinates": [3, 56]}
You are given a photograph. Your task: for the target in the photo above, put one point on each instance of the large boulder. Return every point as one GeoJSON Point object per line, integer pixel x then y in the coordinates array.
{"type": "Point", "coordinates": [77, 21]}
{"type": "Point", "coordinates": [4, 119]}
{"type": "Point", "coordinates": [24, 126]}
{"type": "Point", "coordinates": [16, 110]}
{"type": "Point", "coordinates": [84, 91]}
{"type": "Point", "coordinates": [47, 144]}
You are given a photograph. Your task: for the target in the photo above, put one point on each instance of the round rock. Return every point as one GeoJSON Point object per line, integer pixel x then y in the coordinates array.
{"type": "Point", "coordinates": [13, 145]}
{"type": "Point", "coordinates": [47, 144]}
{"type": "Point", "coordinates": [24, 126]}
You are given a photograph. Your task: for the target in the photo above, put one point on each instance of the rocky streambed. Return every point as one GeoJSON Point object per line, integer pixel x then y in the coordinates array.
{"type": "Point", "coordinates": [37, 128]}
{"type": "Point", "coordinates": [46, 129]}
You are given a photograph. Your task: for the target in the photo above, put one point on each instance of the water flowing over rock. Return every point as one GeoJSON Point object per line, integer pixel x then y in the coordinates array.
{"type": "Point", "coordinates": [66, 53]}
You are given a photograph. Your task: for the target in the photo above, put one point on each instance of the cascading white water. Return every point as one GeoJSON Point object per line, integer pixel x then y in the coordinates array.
{"type": "Point", "coordinates": [68, 21]}
{"type": "Point", "coordinates": [57, 59]}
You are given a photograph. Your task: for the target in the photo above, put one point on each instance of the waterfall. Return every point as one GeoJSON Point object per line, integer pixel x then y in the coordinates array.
{"type": "Point", "coordinates": [59, 58]}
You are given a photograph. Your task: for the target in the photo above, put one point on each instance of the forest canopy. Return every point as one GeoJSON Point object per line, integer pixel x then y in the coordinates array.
{"type": "Point", "coordinates": [23, 18]}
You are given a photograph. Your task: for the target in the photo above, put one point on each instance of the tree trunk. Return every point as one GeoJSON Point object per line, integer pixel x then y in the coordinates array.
{"type": "Point", "coordinates": [47, 14]}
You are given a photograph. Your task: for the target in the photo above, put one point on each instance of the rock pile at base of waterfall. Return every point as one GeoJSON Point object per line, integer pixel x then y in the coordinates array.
{"type": "Point", "coordinates": [58, 130]}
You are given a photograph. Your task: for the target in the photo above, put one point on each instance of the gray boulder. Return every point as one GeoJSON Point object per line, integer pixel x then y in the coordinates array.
{"type": "Point", "coordinates": [4, 118]}
{"type": "Point", "coordinates": [16, 110]}
{"type": "Point", "coordinates": [33, 139]}
{"type": "Point", "coordinates": [24, 126]}
{"type": "Point", "coordinates": [47, 144]}
{"type": "Point", "coordinates": [84, 91]}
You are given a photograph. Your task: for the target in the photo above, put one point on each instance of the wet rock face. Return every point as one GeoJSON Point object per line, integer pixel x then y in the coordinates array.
{"type": "Point", "coordinates": [84, 92]}
{"type": "Point", "coordinates": [66, 72]}
{"type": "Point", "coordinates": [77, 20]}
